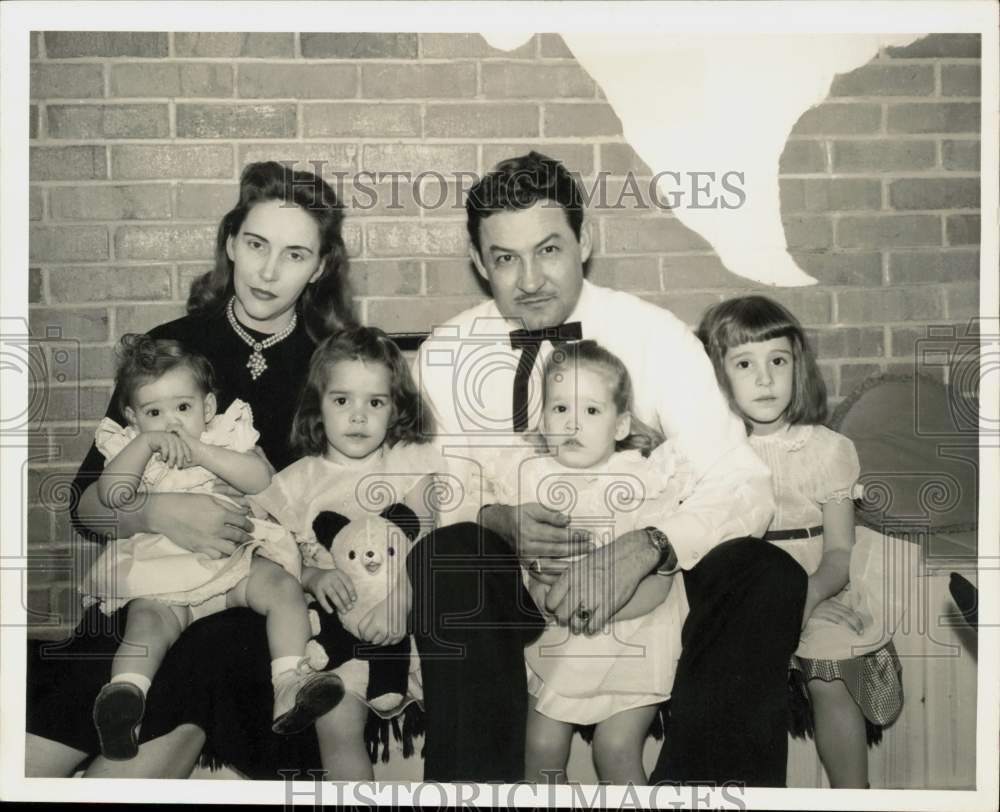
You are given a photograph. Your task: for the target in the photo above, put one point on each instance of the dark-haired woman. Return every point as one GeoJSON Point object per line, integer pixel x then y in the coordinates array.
{"type": "Point", "coordinates": [277, 289]}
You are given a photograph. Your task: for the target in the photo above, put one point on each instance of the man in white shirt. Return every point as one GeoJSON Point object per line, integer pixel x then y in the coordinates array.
{"type": "Point", "coordinates": [483, 380]}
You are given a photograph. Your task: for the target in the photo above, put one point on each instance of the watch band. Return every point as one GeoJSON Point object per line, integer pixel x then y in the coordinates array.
{"type": "Point", "coordinates": [667, 563]}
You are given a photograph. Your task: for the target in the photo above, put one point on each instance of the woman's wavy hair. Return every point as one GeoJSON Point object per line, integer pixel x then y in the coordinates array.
{"type": "Point", "coordinates": [142, 360]}
{"type": "Point", "coordinates": [589, 353]}
{"type": "Point", "coordinates": [325, 305]}
{"type": "Point", "coordinates": [411, 420]}
{"type": "Point", "coordinates": [749, 319]}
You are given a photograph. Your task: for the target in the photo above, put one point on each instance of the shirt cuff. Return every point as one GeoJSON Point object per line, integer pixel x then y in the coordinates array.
{"type": "Point", "coordinates": [689, 538]}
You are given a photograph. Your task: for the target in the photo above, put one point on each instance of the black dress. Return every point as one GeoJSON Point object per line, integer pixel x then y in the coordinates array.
{"type": "Point", "coordinates": [217, 675]}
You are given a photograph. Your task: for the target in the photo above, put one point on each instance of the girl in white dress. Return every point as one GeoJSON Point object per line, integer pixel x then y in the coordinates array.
{"type": "Point", "coordinates": [765, 365]}
{"type": "Point", "coordinates": [364, 433]}
{"type": "Point", "coordinates": [592, 460]}
{"type": "Point", "coordinates": [175, 441]}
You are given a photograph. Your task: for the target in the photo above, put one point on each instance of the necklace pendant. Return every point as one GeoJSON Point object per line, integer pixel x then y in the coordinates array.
{"type": "Point", "coordinates": [256, 364]}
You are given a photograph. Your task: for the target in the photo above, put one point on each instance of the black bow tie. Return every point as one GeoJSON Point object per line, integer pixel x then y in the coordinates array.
{"type": "Point", "coordinates": [529, 342]}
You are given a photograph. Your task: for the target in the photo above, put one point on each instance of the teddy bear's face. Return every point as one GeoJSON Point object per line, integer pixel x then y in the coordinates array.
{"type": "Point", "coordinates": [371, 548]}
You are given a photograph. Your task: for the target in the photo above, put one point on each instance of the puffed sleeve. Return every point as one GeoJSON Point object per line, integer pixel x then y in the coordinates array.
{"type": "Point", "coordinates": [278, 499]}
{"type": "Point", "coordinates": [841, 469]}
{"type": "Point", "coordinates": [110, 438]}
{"type": "Point", "coordinates": [233, 429]}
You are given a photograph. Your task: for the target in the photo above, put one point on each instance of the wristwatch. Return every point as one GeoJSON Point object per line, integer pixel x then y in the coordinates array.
{"type": "Point", "coordinates": [667, 564]}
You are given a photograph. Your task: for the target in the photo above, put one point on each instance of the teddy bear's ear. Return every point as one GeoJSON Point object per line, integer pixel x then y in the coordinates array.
{"type": "Point", "coordinates": [404, 518]}
{"type": "Point", "coordinates": [327, 524]}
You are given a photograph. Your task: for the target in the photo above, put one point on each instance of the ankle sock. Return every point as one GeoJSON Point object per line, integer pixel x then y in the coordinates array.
{"type": "Point", "coordinates": [140, 681]}
{"type": "Point", "coordinates": [279, 665]}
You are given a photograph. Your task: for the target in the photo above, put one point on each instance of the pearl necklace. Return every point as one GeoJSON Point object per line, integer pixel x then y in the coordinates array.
{"type": "Point", "coordinates": [256, 363]}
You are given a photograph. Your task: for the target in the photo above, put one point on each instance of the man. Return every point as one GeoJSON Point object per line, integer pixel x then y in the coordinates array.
{"type": "Point", "coordinates": [481, 374]}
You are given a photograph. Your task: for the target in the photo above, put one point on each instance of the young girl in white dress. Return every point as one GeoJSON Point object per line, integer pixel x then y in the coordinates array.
{"type": "Point", "coordinates": [364, 431]}
{"type": "Point", "coordinates": [765, 365]}
{"type": "Point", "coordinates": [175, 441]}
{"type": "Point", "coordinates": [596, 462]}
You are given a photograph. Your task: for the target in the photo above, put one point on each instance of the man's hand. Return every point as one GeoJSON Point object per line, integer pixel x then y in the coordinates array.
{"type": "Point", "coordinates": [333, 589]}
{"type": "Point", "coordinates": [537, 533]}
{"type": "Point", "coordinates": [385, 624]}
{"type": "Point", "coordinates": [601, 583]}
{"type": "Point", "coordinates": [198, 522]}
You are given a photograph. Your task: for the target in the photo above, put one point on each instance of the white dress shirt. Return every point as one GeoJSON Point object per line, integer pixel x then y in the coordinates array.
{"type": "Point", "coordinates": [466, 372]}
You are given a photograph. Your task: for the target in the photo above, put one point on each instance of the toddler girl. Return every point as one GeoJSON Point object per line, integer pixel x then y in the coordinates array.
{"type": "Point", "coordinates": [175, 441]}
{"type": "Point", "coordinates": [364, 431]}
{"type": "Point", "coordinates": [592, 460]}
{"type": "Point", "coordinates": [764, 364]}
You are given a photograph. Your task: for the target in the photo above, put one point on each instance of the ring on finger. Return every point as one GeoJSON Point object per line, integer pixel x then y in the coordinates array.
{"type": "Point", "coordinates": [583, 613]}
{"type": "Point", "coordinates": [535, 566]}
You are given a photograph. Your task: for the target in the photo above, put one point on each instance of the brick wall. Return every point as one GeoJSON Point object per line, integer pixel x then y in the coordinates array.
{"type": "Point", "coordinates": [137, 140]}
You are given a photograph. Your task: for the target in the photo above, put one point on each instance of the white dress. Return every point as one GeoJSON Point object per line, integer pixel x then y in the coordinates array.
{"type": "Point", "coordinates": [584, 679]}
{"type": "Point", "coordinates": [150, 565]}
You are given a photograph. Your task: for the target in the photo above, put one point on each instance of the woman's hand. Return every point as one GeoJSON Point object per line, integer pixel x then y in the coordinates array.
{"type": "Point", "coordinates": [333, 589]}
{"type": "Point", "coordinates": [169, 447]}
{"type": "Point", "coordinates": [199, 522]}
{"type": "Point", "coordinates": [538, 536]}
{"type": "Point", "coordinates": [833, 611]}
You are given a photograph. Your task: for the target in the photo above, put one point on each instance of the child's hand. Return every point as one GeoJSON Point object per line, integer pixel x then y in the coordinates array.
{"type": "Point", "coordinates": [196, 446]}
{"type": "Point", "coordinates": [385, 623]}
{"type": "Point", "coordinates": [334, 589]}
{"type": "Point", "coordinates": [169, 447]}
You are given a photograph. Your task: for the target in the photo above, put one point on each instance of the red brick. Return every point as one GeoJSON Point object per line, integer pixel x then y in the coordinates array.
{"type": "Point", "coordinates": [842, 269]}
{"type": "Point", "coordinates": [73, 403]}
{"type": "Point", "coordinates": [695, 271]}
{"type": "Point", "coordinates": [258, 44]}
{"type": "Point", "coordinates": [578, 158]}
{"type": "Point", "coordinates": [432, 193]}
{"type": "Point", "coordinates": [630, 194]}
{"type": "Point", "coordinates": [530, 80]}
{"type": "Point", "coordinates": [98, 284]}
{"type": "Point", "coordinates": [69, 44]}
{"type": "Point", "coordinates": [888, 231]}
{"type": "Point", "coordinates": [621, 159]}
{"type": "Point", "coordinates": [165, 242]}
{"type": "Point", "coordinates": [456, 46]}
{"type": "Point", "coordinates": [145, 202]}
{"type": "Point", "coordinates": [933, 117]}
{"type": "Point", "coordinates": [481, 120]}
{"type": "Point", "coordinates": [236, 120]}
{"type": "Point", "coordinates": [48, 485]}
{"type": "Point", "coordinates": [417, 158]}
{"type": "Point", "coordinates": [932, 45]}
{"type": "Point", "coordinates": [202, 79]}
{"type": "Point", "coordinates": [853, 375]}
{"type": "Point", "coordinates": [934, 193]}
{"type": "Point", "coordinates": [277, 81]}
{"type": "Point", "coordinates": [35, 286]}
{"type": "Point", "coordinates": [361, 119]}
{"type": "Point", "coordinates": [386, 277]}
{"type": "Point", "coordinates": [580, 120]}
{"type": "Point", "coordinates": [363, 196]}
{"type": "Point", "coordinates": [554, 46]}
{"type": "Point", "coordinates": [35, 203]}
{"type": "Point", "coordinates": [331, 158]}
{"type": "Point", "coordinates": [625, 273]}
{"type": "Point", "coordinates": [934, 267]}
{"type": "Point", "coordinates": [802, 156]}
{"type": "Point", "coordinates": [847, 342]}
{"type": "Point", "coordinates": [353, 238]}
{"type": "Point", "coordinates": [78, 324]}
{"type": "Point", "coordinates": [882, 155]}
{"type": "Point", "coordinates": [73, 445]}
{"type": "Point", "coordinates": [186, 274]}
{"type": "Point", "coordinates": [358, 46]}
{"type": "Point", "coordinates": [87, 364]}
{"type": "Point", "coordinates": [631, 235]}
{"type": "Point", "coordinates": [142, 161]}
{"type": "Point", "coordinates": [420, 315]}
{"type": "Point", "coordinates": [808, 233]}
{"type": "Point", "coordinates": [960, 80]}
{"type": "Point", "coordinates": [904, 340]}
{"type": "Point", "coordinates": [206, 201]}
{"type": "Point", "coordinates": [963, 301]}
{"type": "Point", "coordinates": [454, 277]}
{"type": "Point", "coordinates": [67, 243]}
{"type": "Point", "coordinates": [66, 81]}
{"type": "Point", "coordinates": [67, 163]}
{"type": "Point", "coordinates": [108, 121]}
{"type": "Point", "coordinates": [418, 81]}
{"type": "Point", "coordinates": [688, 307]}
{"type": "Point", "coordinates": [424, 239]}
{"type": "Point", "coordinates": [810, 306]}
{"type": "Point", "coordinates": [962, 229]}
{"type": "Point", "coordinates": [885, 80]}
{"type": "Point", "coordinates": [960, 155]}
{"type": "Point", "coordinates": [33, 114]}
{"type": "Point", "coordinates": [140, 318]}
{"type": "Point", "coordinates": [880, 306]}
{"type": "Point", "coordinates": [823, 194]}
{"type": "Point", "coordinates": [839, 119]}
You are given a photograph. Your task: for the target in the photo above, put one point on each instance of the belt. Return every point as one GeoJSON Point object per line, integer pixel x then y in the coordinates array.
{"type": "Point", "coordinates": [788, 535]}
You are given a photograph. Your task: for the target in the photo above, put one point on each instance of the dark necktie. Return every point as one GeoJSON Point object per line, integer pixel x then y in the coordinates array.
{"type": "Point", "coordinates": [529, 342]}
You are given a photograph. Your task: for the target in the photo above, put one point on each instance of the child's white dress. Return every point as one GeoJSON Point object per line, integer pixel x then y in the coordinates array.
{"type": "Point", "coordinates": [150, 565]}
{"type": "Point", "coordinates": [631, 663]}
{"type": "Point", "coordinates": [810, 466]}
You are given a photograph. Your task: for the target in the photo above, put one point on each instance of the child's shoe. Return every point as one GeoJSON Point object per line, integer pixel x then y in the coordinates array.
{"type": "Point", "coordinates": [301, 695]}
{"type": "Point", "coordinates": [118, 710]}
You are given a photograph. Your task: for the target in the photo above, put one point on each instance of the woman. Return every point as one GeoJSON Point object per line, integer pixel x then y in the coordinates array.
{"type": "Point", "coordinates": [277, 289]}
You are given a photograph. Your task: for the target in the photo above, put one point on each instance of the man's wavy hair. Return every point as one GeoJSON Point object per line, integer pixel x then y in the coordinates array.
{"type": "Point", "coordinates": [142, 360]}
{"type": "Point", "coordinates": [749, 319]}
{"type": "Point", "coordinates": [519, 183]}
{"type": "Point", "coordinates": [411, 421]}
{"type": "Point", "coordinates": [590, 354]}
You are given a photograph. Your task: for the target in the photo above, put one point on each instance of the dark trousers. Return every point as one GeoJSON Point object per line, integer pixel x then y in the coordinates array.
{"type": "Point", "coordinates": [471, 620]}
{"type": "Point", "coordinates": [729, 705]}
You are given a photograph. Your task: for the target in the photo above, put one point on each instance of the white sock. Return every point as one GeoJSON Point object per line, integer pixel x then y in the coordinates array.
{"type": "Point", "coordinates": [140, 681]}
{"type": "Point", "coordinates": [279, 665]}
